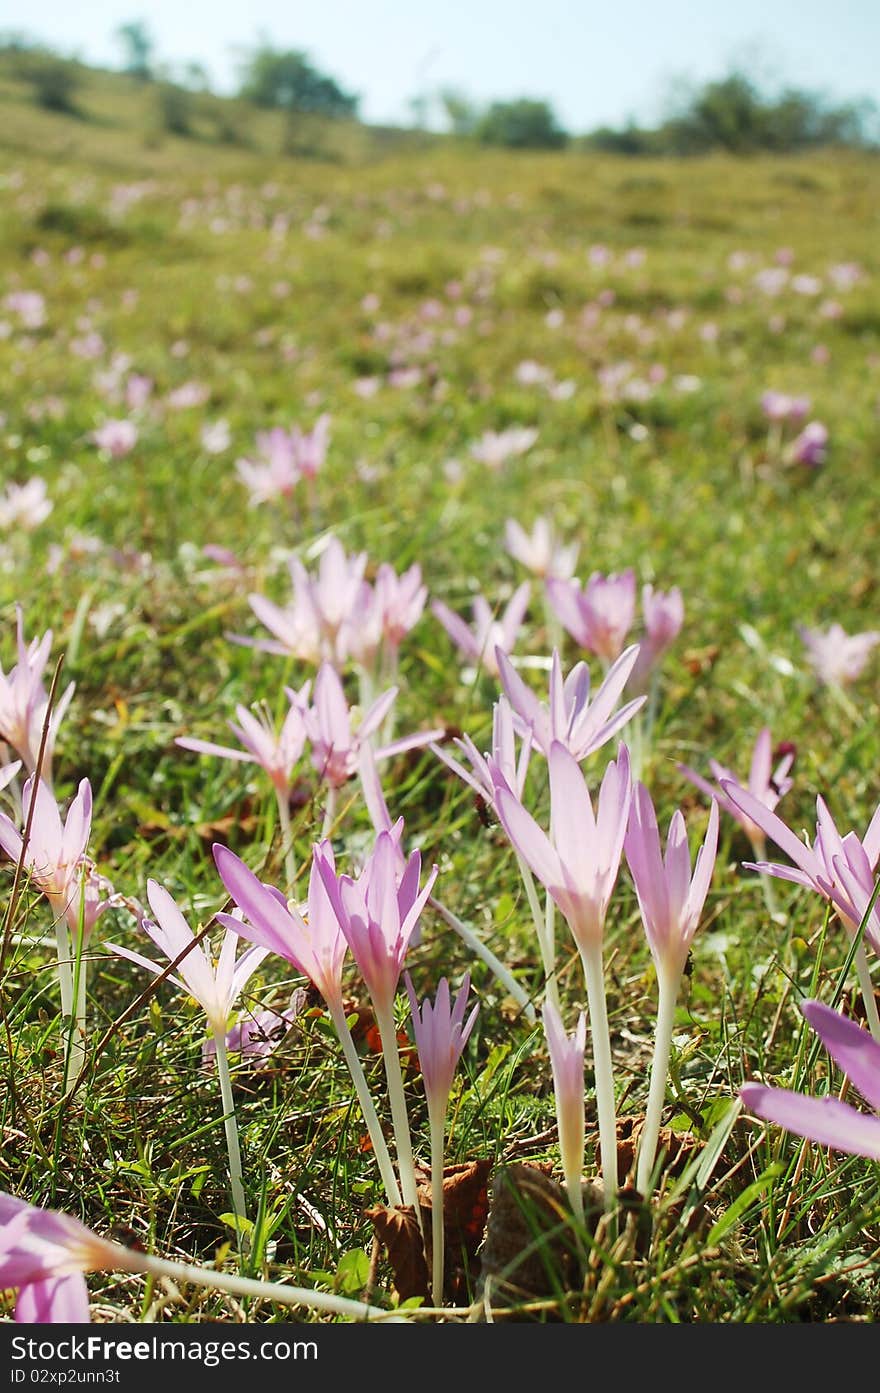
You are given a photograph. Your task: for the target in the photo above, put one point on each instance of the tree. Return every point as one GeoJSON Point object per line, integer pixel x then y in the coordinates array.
{"type": "Point", "coordinates": [138, 47]}
{"type": "Point", "coordinates": [287, 79]}
{"type": "Point", "coordinates": [523, 124]}
{"type": "Point", "coordinates": [461, 113]}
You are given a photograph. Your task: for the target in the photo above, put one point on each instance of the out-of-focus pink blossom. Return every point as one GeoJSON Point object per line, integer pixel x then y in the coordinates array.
{"type": "Point", "coordinates": [495, 448]}
{"type": "Point", "coordinates": [25, 505]}
{"type": "Point", "coordinates": [836, 657]}
{"type": "Point", "coordinates": [810, 447]}
{"type": "Point", "coordinates": [540, 550]}
{"type": "Point", "coordinates": [478, 644]}
{"type": "Point", "coordinates": [599, 616]}
{"type": "Point", "coordinates": [117, 437]}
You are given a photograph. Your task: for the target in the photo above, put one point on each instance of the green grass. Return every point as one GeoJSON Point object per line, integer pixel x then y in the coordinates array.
{"type": "Point", "coordinates": [258, 265]}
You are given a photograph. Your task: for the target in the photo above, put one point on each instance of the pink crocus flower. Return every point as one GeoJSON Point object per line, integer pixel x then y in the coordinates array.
{"type": "Point", "coordinates": [765, 783]}
{"type": "Point", "coordinates": [829, 1121]}
{"type": "Point", "coordinates": [671, 901]}
{"type": "Point", "coordinates": [275, 474]}
{"type": "Point", "coordinates": [314, 943]}
{"type": "Point", "coordinates": [579, 863]}
{"type": "Point", "coordinates": [814, 864]}
{"type": "Point", "coordinates": [216, 987]}
{"type": "Point", "coordinates": [810, 447]}
{"type": "Point", "coordinates": [479, 644]}
{"type": "Point", "coordinates": [54, 854]}
{"type": "Point", "coordinates": [24, 702]}
{"type": "Point", "coordinates": [663, 617]}
{"type": "Point", "coordinates": [26, 505]}
{"type": "Point", "coordinates": [276, 753]}
{"type": "Point", "coordinates": [316, 946]}
{"type": "Point", "coordinates": [400, 600]}
{"type": "Point", "coordinates": [378, 914]}
{"type": "Point", "coordinates": [117, 437]}
{"type": "Point", "coordinates": [495, 448]}
{"type": "Point", "coordinates": [501, 766]}
{"type": "Point", "coordinates": [441, 1034]}
{"type": "Point", "coordinates": [314, 625]}
{"type": "Point", "coordinates": [540, 551]}
{"type": "Point", "coordinates": [335, 743]}
{"type": "Point", "coordinates": [570, 718]}
{"type": "Point", "coordinates": [818, 867]}
{"type": "Point", "coordinates": [600, 615]}
{"type": "Point", "coordinates": [567, 1064]}
{"type": "Point", "coordinates": [779, 407]}
{"type": "Point", "coordinates": [836, 657]}
{"type": "Point", "coordinates": [44, 1254]}
{"type": "Point", "coordinates": [310, 447]}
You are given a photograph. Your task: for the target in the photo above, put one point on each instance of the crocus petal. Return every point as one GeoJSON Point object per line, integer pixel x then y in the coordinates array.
{"type": "Point", "coordinates": [207, 747]}
{"type": "Point", "coordinates": [852, 1048]}
{"type": "Point", "coordinates": [772, 826]}
{"type": "Point", "coordinates": [54, 1301]}
{"type": "Point", "coordinates": [529, 839]}
{"type": "Point", "coordinates": [825, 1120]}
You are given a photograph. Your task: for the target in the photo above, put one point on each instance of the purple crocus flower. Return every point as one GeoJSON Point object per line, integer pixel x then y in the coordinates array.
{"type": "Point", "coordinates": [316, 946]}
{"type": "Point", "coordinates": [479, 644]}
{"type": "Point", "coordinates": [378, 912]}
{"type": "Point", "coordinates": [441, 1033]}
{"type": "Point", "coordinates": [600, 615]}
{"type": "Point", "coordinates": [567, 1063]}
{"type": "Point", "coordinates": [765, 783]}
{"type": "Point", "coordinates": [570, 718]}
{"type": "Point", "coordinates": [24, 701]}
{"type": "Point", "coordinates": [811, 446]}
{"type": "Point", "coordinates": [216, 987]}
{"type": "Point", "coordinates": [335, 745]}
{"type": "Point", "coordinates": [578, 863]}
{"type": "Point", "coordinates": [44, 1254]}
{"type": "Point", "coordinates": [671, 901]}
{"type": "Point", "coordinates": [663, 616]}
{"type": "Point", "coordinates": [277, 754]}
{"type": "Point", "coordinates": [836, 657]}
{"type": "Point", "coordinates": [55, 854]}
{"type": "Point", "coordinates": [829, 1121]}
{"type": "Point", "coordinates": [814, 864]}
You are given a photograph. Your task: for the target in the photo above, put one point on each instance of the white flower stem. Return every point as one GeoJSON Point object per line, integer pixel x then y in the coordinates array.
{"type": "Point", "coordinates": [668, 993]}
{"type": "Point", "coordinates": [591, 957]}
{"type": "Point", "coordinates": [65, 982]}
{"type": "Point", "coordinates": [478, 947]}
{"type": "Point", "coordinates": [380, 1147]}
{"type": "Point", "coordinates": [437, 1119]}
{"type": "Point", "coordinates": [263, 1291]}
{"type": "Point", "coordinates": [394, 1079]}
{"type": "Point", "coordinates": [77, 1054]}
{"type": "Point", "coordinates": [864, 974]}
{"type": "Point", "coordinates": [286, 841]}
{"type": "Point", "coordinates": [236, 1186]}
{"type": "Point", "coordinates": [329, 812]}
{"type": "Point", "coordinates": [543, 921]}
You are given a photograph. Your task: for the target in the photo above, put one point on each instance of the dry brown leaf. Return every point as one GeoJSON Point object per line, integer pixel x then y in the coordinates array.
{"type": "Point", "coordinates": [398, 1231]}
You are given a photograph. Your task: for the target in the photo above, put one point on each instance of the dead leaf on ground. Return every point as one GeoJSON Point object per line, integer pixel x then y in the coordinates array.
{"type": "Point", "coordinates": [529, 1248]}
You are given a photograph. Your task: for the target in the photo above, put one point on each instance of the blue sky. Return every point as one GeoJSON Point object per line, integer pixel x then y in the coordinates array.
{"type": "Point", "coordinates": [596, 62]}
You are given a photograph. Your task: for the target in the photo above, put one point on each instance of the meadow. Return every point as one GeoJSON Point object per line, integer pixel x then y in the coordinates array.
{"type": "Point", "coordinates": [240, 386]}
